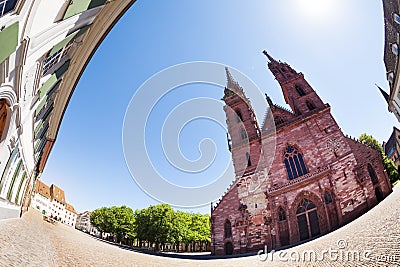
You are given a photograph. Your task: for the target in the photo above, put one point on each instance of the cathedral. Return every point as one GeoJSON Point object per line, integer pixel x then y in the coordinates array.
{"type": "Point", "coordinates": [318, 179]}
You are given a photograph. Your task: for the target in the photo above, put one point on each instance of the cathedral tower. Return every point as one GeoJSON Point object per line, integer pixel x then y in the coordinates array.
{"type": "Point", "coordinates": [299, 95]}
{"type": "Point", "coordinates": [244, 132]}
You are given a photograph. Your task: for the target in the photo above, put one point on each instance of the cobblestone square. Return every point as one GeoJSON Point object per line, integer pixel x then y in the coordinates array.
{"type": "Point", "coordinates": [374, 237]}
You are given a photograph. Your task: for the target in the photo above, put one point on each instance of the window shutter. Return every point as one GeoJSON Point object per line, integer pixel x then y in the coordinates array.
{"type": "Point", "coordinates": [8, 41]}
{"type": "Point", "coordinates": [78, 6]}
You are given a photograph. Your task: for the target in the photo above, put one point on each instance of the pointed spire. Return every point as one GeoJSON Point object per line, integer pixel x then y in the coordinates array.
{"type": "Point", "coordinates": [271, 59]}
{"type": "Point", "coordinates": [229, 78]}
{"type": "Point", "coordinates": [232, 85]}
{"type": "Point", "coordinates": [269, 100]}
{"type": "Point", "coordinates": [385, 95]}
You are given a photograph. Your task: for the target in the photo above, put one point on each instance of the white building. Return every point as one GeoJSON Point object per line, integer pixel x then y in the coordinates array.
{"type": "Point", "coordinates": [83, 224]}
{"type": "Point", "coordinates": [41, 198]}
{"type": "Point", "coordinates": [70, 215]}
{"type": "Point", "coordinates": [45, 46]}
{"type": "Point", "coordinates": [50, 201]}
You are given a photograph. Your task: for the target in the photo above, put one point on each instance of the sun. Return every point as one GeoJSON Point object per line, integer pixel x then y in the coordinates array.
{"type": "Point", "coordinates": [316, 9]}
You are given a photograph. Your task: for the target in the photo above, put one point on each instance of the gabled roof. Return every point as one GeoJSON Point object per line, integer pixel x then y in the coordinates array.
{"type": "Point", "coordinates": [277, 113]}
{"type": "Point", "coordinates": [57, 193]}
{"type": "Point", "coordinates": [42, 189]}
{"type": "Point", "coordinates": [70, 208]}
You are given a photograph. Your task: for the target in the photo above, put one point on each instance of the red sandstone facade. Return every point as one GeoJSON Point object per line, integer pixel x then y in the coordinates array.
{"type": "Point", "coordinates": [318, 180]}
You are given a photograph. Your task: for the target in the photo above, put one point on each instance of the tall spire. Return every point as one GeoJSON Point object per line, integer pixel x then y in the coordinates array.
{"type": "Point", "coordinates": [298, 94]}
{"type": "Point", "coordinates": [229, 77]}
{"type": "Point", "coordinates": [232, 86]}
{"type": "Point", "coordinates": [271, 59]}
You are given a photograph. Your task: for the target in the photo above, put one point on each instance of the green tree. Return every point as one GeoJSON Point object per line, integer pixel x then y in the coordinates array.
{"type": "Point", "coordinates": [124, 222]}
{"type": "Point", "coordinates": [181, 232]}
{"type": "Point", "coordinates": [388, 164]}
{"type": "Point", "coordinates": [200, 229]}
{"type": "Point", "coordinates": [103, 219]}
{"type": "Point", "coordinates": [155, 225]}
{"type": "Point", "coordinates": [142, 225]}
{"type": "Point", "coordinates": [370, 141]}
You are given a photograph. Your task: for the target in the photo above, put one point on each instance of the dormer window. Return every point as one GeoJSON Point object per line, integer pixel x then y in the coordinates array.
{"type": "Point", "coordinates": [395, 49]}
{"type": "Point", "coordinates": [396, 18]}
{"type": "Point", "coordinates": [7, 6]}
{"type": "Point", "coordinates": [390, 77]}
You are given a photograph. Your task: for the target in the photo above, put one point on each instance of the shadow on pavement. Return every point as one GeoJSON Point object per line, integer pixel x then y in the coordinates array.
{"type": "Point", "coordinates": [176, 255]}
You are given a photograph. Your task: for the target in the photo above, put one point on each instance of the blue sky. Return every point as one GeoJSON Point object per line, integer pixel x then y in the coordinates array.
{"type": "Point", "coordinates": [337, 44]}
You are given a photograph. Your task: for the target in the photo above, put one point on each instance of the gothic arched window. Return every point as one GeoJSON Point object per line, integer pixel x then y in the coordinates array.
{"type": "Point", "coordinates": [228, 229]}
{"type": "Point", "coordinates": [243, 134]}
{"type": "Point", "coordinates": [305, 205]}
{"type": "Point", "coordinates": [372, 174]}
{"type": "Point", "coordinates": [310, 105]}
{"type": "Point", "coordinates": [281, 214]}
{"type": "Point", "coordinates": [294, 162]}
{"type": "Point", "coordinates": [239, 116]}
{"type": "Point", "coordinates": [327, 198]}
{"type": "Point", "coordinates": [299, 90]}
{"type": "Point", "coordinates": [248, 159]}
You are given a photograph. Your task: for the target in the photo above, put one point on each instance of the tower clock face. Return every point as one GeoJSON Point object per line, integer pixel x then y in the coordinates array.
{"type": "Point", "coordinates": [333, 145]}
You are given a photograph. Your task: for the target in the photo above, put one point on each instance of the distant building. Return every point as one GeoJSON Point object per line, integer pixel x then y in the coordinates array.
{"type": "Point", "coordinates": [41, 199]}
{"type": "Point", "coordinates": [391, 55]}
{"type": "Point", "coordinates": [70, 215]}
{"type": "Point", "coordinates": [83, 224]}
{"type": "Point", "coordinates": [50, 201]}
{"type": "Point", "coordinates": [392, 147]}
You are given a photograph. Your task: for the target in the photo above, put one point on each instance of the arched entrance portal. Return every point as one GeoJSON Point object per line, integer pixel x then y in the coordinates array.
{"type": "Point", "coordinates": [307, 219]}
{"type": "Point", "coordinates": [228, 248]}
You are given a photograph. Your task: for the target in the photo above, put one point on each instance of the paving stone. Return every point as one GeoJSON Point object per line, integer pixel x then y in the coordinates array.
{"type": "Point", "coordinates": [30, 241]}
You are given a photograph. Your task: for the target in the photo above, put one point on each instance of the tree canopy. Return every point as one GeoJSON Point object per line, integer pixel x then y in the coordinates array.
{"type": "Point", "coordinates": [158, 224]}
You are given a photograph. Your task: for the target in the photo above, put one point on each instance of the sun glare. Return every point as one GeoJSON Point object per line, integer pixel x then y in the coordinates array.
{"type": "Point", "coordinates": [316, 9]}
